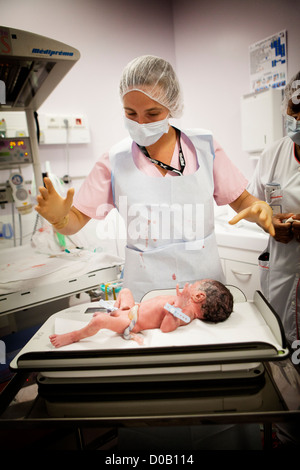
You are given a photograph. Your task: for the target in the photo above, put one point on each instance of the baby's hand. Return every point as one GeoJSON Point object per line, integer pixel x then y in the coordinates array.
{"type": "Point", "coordinates": [182, 297]}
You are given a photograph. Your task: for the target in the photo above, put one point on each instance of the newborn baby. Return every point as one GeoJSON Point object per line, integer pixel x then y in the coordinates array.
{"type": "Point", "coordinates": [207, 300]}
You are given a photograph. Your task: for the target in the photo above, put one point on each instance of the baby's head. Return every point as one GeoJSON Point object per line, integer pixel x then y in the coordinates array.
{"type": "Point", "coordinates": [218, 304]}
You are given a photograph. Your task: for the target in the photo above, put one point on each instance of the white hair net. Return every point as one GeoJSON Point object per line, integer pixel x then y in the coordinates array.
{"type": "Point", "coordinates": [291, 92]}
{"type": "Point", "coordinates": [156, 78]}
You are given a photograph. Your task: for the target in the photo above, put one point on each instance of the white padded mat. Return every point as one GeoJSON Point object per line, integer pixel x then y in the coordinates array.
{"type": "Point", "coordinates": [246, 324]}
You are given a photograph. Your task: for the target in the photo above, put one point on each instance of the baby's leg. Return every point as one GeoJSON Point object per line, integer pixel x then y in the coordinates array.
{"type": "Point", "coordinates": [91, 329]}
{"type": "Point", "coordinates": [102, 320]}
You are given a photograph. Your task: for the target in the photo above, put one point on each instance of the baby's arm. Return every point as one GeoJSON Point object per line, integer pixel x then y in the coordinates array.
{"type": "Point", "coordinates": [169, 323]}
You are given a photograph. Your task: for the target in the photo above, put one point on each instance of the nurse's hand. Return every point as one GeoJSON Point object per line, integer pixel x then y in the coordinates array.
{"type": "Point", "coordinates": [296, 227]}
{"type": "Point", "coordinates": [283, 230]}
{"type": "Point", "coordinates": [52, 206]}
{"type": "Point", "coordinates": [259, 212]}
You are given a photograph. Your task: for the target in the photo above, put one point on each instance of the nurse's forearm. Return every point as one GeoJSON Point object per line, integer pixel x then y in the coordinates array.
{"type": "Point", "coordinates": [71, 223]}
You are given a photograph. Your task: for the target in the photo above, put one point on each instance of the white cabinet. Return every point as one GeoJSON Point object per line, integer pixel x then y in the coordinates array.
{"type": "Point", "coordinates": [245, 276]}
{"type": "Point", "coordinates": [261, 120]}
{"type": "Point", "coordinates": [239, 249]}
{"type": "Point", "coordinates": [240, 266]}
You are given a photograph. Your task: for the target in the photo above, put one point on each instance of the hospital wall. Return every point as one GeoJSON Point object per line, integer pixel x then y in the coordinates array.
{"type": "Point", "coordinates": [207, 42]}
{"type": "Point", "coordinates": [212, 40]}
{"type": "Point", "coordinates": [108, 34]}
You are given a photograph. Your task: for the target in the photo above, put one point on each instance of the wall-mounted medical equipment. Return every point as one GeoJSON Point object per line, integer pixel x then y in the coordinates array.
{"type": "Point", "coordinates": [54, 128]}
{"type": "Point", "coordinates": [64, 129]}
{"type": "Point", "coordinates": [31, 66]}
{"type": "Point", "coordinates": [15, 152]}
{"type": "Point", "coordinates": [21, 194]}
{"type": "Point", "coordinates": [262, 121]}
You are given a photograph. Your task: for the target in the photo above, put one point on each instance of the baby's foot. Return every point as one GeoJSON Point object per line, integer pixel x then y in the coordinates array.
{"type": "Point", "coordinates": [61, 340]}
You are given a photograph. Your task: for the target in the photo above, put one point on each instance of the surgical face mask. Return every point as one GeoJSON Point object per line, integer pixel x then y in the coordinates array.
{"type": "Point", "coordinates": [146, 134]}
{"type": "Point", "coordinates": [293, 128]}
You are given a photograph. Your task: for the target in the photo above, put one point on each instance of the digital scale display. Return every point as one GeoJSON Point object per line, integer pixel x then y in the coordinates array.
{"type": "Point", "coordinates": [14, 152]}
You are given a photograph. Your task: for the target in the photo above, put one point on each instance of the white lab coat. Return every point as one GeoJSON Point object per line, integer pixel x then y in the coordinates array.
{"type": "Point", "coordinates": [280, 274]}
{"type": "Point", "coordinates": [169, 220]}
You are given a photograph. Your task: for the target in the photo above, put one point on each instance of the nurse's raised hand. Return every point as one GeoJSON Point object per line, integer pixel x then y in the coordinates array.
{"type": "Point", "coordinates": [52, 206]}
{"type": "Point", "coordinates": [260, 213]}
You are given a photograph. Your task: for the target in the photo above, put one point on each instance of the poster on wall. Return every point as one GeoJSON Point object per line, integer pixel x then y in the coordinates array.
{"type": "Point", "coordinates": [268, 62]}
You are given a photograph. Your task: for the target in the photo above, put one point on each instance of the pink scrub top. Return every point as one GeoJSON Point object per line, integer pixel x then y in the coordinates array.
{"type": "Point", "coordinates": [96, 190]}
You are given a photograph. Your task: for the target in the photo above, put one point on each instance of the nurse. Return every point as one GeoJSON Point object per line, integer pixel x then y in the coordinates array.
{"type": "Point", "coordinates": [163, 180]}
{"type": "Point", "coordinates": [280, 263]}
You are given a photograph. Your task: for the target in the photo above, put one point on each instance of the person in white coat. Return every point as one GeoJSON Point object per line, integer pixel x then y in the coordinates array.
{"type": "Point", "coordinates": [163, 180]}
{"type": "Point", "coordinates": [277, 178]}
